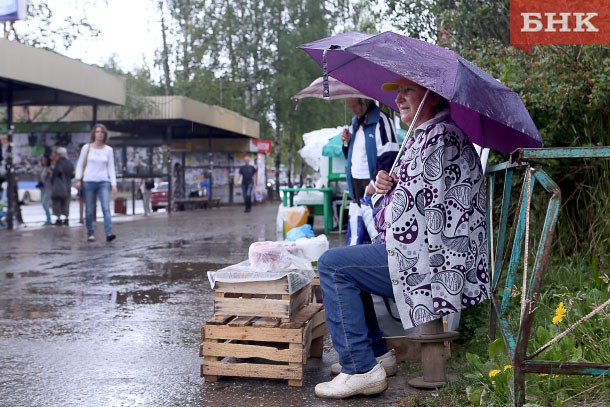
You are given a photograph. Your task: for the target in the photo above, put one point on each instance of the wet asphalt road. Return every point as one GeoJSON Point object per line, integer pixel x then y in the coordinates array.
{"type": "Point", "coordinates": [119, 324]}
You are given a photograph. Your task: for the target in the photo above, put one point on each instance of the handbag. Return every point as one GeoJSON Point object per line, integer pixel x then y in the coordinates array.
{"type": "Point", "coordinates": [59, 190]}
{"type": "Point", "coordinates": [82, 175]}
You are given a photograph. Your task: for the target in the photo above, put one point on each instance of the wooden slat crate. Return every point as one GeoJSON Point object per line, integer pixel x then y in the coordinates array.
{"type": "Point", "coordinates": [259, 299]}
{"type": "Point", "coordinates": [262, 346]}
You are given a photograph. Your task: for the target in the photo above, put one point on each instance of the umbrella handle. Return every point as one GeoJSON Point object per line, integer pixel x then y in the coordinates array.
{"type": "Point", "coordinates": [408, 135]}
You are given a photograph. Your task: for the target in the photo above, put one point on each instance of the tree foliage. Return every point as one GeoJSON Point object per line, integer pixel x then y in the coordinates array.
{"type": "Point", "coordinates": [44, 30]}
{"type": "Point", "coordinates": [243, 55]}
{"type": "Point", "coordinates": [566, 89]}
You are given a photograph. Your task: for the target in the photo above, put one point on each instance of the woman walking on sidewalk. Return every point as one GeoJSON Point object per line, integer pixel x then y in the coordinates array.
{"type": "Point", "coordinates": [45, 181]}
{"type": "Point", "coordinates": [96, 175]}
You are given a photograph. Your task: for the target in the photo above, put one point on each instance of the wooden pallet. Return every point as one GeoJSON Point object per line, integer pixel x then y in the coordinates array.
{"type": "Point", "coordinates": [259, 299]}
{"type": "Point", "coordinates": [261, 346]}
{"type": "Point", "coordinates": [316, 289]}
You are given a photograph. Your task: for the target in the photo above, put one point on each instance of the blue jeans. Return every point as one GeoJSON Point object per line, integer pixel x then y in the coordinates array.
{"type": "Point", "coordinates": [101, 189]}
{"type": "Point", "coordinates": [246, 190]}
{"type": "Point", "coordinates": [346, 273]}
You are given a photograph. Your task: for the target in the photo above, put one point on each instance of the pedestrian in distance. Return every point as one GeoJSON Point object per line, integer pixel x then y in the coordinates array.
{"type": "Point", "coordinates": [61, 184]}
{"type": "Point", "coordinates": [96, 175]}
{"type": "Point", "coordinates": [178, 174]}
{"type": "Point", "coordinates": [81, 199]}
{"type": "Point", "coordinates": [146, 185]}
{"type": "Point", "coordinates": [45, 190]}
{"type": "Point", "coordinates": [433, 257]}
{"type": "Point", "coordinates": [247, 172]}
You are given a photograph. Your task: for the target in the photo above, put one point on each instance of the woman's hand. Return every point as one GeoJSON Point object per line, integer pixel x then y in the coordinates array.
{"type": "Point", "coordinates": [384, 182]}
{"type": "Point", "coordinates": [78, 185]}
{"type": "Point", "coordinates": [114, 190]}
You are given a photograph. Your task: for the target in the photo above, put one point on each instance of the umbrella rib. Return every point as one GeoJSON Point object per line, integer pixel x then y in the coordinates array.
{"type": "Point", "coordinates": [408, 135]}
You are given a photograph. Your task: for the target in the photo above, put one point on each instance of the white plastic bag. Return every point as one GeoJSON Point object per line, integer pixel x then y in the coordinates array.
{"type": "Point", "coordinates": [313, 248]}
{"type": "Point", "coordinates": [355, 226]}
{"type": "Point", "coordinates": [368, 218]}
{"type": "Point", "coordinates": [268, 256]}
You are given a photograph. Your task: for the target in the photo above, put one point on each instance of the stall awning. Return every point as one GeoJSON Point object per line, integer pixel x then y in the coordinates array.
{"type": "Point", "coordinates": [31, 75]}
{"type": "Point", "coordinates": [188, 118]}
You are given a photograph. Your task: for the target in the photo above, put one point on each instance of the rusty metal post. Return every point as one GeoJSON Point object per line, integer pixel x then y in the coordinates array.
{"type": "Point", "coordinates": [432, 338]}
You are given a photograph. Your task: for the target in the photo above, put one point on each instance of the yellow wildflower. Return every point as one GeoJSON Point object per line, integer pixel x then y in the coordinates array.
{"type": "Point", "coordinates": [560, 312]}
{"type": "Point", "coordinates": [506, 367]}
{"type": "Point", "coordinates": [543, 374]}
{"type": "Point", "coordinates": [493, 373]}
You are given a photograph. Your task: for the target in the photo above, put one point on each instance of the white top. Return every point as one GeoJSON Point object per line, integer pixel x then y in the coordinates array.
{"type": "Point", "coordinates": [100, 165]}
{"type": "Point", "coordinates": [360, 163]}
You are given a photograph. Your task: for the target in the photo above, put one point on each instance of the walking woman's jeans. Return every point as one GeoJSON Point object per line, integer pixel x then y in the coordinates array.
{"type": "Point", "coordinates": [345, 272]}
{"type": "Point", "coordinates": [101, 189]}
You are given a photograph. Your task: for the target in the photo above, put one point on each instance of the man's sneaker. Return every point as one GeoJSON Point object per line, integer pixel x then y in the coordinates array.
{"type": "Point", "coordinates": [59, 222]}
{"type": "Point", "coordinates": [91, 238]}
{"type": "Point", "coordinates": [66, 222]}
{"type": "Point", "coordinates": [345, 385]}
{"type": "Point", "coordinates": [387, 360]}
{"type": "Point", "coordinates": [110, 238]}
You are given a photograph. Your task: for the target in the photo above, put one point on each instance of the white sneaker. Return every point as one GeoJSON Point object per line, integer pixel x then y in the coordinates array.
{"type": "Point", "coordinates": [387, 361]}
{"type": "Point", "coordinates": [345, 385]}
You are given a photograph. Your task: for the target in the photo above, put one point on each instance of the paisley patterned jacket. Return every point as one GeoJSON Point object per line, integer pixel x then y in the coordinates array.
{"type": "Point", "coordinates": [435, 225]}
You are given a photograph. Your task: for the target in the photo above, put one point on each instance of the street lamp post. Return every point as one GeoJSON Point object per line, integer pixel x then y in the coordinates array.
{"type": "Point", "coordinates": [10, 177]}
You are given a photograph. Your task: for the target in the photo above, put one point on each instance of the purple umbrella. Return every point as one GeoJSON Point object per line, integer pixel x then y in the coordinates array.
{"type": "Point", "coordinates": [487, 111]}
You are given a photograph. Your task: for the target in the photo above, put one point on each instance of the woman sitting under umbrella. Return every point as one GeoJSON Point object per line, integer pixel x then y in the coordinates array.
{"type": "Point", "coordinates": [433, 260]}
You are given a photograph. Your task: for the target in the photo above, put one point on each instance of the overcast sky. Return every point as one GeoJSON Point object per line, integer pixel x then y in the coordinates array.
{"type": "Point", "coordinates": [130, 31]}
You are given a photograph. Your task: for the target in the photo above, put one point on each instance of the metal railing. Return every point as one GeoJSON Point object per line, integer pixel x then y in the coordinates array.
{"type": "Point", "coordinates": [517, 341]}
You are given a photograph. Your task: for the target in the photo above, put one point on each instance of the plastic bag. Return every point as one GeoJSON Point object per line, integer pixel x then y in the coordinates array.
{"type": "Point", "coordinates": [368, 217]}
{"type": "Point", "coordinates": [356, 231]}
{"type": "Point", "coordinates": [304, 231]}
{"type": "Point", "coordinates": [313, 248]}
{"type": "Point", "coordinates": [294, 216]}
{"type": "Point", "coordinates": [268, 256]}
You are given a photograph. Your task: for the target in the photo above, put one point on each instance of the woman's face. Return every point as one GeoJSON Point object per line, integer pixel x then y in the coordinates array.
{"type": "Point", "coordinates": [408, 99]}
{"type": "Point", "coordinates": [99, 135]}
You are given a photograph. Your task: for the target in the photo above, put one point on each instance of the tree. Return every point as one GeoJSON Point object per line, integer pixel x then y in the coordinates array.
{"type": "Point", "coordinates": [43, 29]}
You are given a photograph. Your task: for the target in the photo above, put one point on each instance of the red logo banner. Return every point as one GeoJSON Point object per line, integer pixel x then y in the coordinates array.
{"type": "Point", "coordinates": [261, 146]}
{"type": "Point", "coordinates": [559, 22]}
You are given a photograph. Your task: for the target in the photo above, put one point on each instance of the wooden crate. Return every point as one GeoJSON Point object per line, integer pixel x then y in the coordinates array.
{"type": "Point", "coordinates": [262, 347]}
{"type": "Point", "coordinates": [259, 299]}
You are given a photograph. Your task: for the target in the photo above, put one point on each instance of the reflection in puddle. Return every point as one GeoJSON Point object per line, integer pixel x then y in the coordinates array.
{"type": "Point", "coordinates": [169, 245]}
{"type": "Point", "coordinates": [152, 296]}
{"type": "Point", "coordinates": [168, 272]}
{"type": "Point", "coordinates": [23, 274]}
{"type": "Point", "coordinates": [185, 271]}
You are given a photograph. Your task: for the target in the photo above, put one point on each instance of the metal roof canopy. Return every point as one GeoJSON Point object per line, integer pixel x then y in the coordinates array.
{"type": "Point", "coordinates": [187, 118]}
{"type": "Point", "coordinates": [33, 76]}
{"type": "Point", "coordinates": [29, 76]}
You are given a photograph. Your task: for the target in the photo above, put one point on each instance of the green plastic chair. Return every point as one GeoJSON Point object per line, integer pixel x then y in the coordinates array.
{"type": "Point", "coordinates": [344, 206]}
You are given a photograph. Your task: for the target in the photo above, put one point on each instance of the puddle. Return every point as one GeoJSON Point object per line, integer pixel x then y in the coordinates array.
{"type": "Point", "coordinates": [169, 272]}
{"type": "Point", "coordinates": [176, 244]}
{"type": "Point", "coordinates": [152, 296]}
{"type": "Point", "coordinates": [24, 274]}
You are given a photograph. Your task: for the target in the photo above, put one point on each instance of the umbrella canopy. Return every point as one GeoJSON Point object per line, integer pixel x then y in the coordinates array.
{"type": "Point", "coordinates": [488, 112]}
{"type": "Point", "coordinates": [336, 90]}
